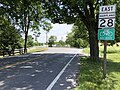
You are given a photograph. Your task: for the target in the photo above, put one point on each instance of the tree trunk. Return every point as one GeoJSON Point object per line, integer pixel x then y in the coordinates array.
{"type": "Point", "coordinates": [13, 51]}
{"type": "Point", "coordinates": [25, 45]}
{"type": "Point", "coordinates": [93, 41]}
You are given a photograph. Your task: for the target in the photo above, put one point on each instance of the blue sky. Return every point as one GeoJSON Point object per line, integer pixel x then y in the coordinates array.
{"type": "Point", "coordinates": [59, 30]}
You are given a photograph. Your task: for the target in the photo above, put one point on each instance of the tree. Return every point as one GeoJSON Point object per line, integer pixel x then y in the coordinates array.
{"type": "Point", "coordinates": [9, 36]}
{"type": "Point", "coordinates": [29, 16]}
{"type": "Point", "coordinates": [52, 40]}
{"type": "Point", "coordinates": [78, 37]}
{"type": "Point", "coordinates": [70, 40]}
{"type": "Point", "coordinates": [63, 11]}
{"type": "Point", "coordinates": [25, 14]}
{"type": "Point", "coordinates": [117, 23]}
{"type": "Point", "coordinates": [36, 34]}
{"type": "Point", "coordinates": [47, 26]}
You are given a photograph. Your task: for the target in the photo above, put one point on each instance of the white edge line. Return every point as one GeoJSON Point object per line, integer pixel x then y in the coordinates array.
{"type": "Point", "coordinates": [61, 72]}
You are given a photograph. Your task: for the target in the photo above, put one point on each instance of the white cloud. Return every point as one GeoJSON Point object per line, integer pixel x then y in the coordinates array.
{"type": "Point", "coordinates": [59, 30]}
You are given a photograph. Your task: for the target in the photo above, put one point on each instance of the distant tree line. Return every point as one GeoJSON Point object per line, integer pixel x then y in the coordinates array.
{"type": "Point", "coordinates": [52, 42]}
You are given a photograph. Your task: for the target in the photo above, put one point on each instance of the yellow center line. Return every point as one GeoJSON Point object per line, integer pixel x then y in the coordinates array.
{"type": "Point", "coordinates": [18, 63]}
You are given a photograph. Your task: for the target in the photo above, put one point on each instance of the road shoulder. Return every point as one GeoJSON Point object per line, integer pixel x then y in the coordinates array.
{"type": "Point", "coordinates": [68, 80]}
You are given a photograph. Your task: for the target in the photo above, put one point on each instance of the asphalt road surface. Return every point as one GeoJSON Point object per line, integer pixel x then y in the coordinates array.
{"type": "Point", "coordinates": [54, 69]}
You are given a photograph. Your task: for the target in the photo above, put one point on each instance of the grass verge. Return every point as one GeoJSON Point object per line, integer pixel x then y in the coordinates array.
{"type": "Point", "coordinates": [30, 51]}
{"type": "Point", "coordinates": [37, 50]}
{"type": "Point", "coordinates": [90, 77]}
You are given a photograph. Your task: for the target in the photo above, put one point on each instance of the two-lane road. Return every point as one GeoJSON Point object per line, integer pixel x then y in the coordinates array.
{"type": "Point", "coordinates": [54, 69]}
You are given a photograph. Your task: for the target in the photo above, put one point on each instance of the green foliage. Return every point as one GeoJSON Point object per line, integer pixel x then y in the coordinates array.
{"type": "Point", "coordinates": [63, 11]}
{"type": "Point", "coordinates": [79, 36]}
{"type": "Point", "coordinates": [36, 34]}
{"type": "Point", "coordinates": [37, 44]}
{"type": "Point", "coordinates": [46, 26]}
{"type": "Point", "coordinates": [9, 36]}
{"type": "Point", "coordinates": [60, 43]}
{"type": "Point", "coordinates": [21, 42]}
{"type": "Point", "coordinates": [117, 27]}
{"type": "Point", "coordinates": [52, 40]}
{"type": "Point", "coordinates": [30, 42]}
{"type": "Point", "coordinates": [70, 40]}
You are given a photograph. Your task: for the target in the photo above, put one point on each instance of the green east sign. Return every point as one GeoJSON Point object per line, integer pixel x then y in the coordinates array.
{"type": "Point", "coordinates": [106, 34]}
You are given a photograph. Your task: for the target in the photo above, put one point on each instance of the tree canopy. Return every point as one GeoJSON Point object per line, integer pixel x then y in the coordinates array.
{"type": "Point", "coordinates": [63, 11]}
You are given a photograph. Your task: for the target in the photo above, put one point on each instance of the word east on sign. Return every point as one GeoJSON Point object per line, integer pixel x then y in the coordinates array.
{"type": "Point", "coordinates": [107, 9]}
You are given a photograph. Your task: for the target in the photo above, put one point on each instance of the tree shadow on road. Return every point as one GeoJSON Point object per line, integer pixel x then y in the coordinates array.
{"type": "Point", "coordinates": [31, 75]}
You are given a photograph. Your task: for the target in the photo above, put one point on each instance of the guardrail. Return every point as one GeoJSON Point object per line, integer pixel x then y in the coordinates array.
{"type": "Point", "coordinates": [11, 52]}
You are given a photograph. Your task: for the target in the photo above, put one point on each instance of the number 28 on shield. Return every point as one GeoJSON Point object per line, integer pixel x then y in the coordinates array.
{"type": "Point", "coordinates": [106, 23]}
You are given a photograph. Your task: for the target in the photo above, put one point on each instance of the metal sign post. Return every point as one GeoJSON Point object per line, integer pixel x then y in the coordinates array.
{"type": "Point", "coordinates": [105, 61]}
{"type": "Point", "coordinates": [106, 29]}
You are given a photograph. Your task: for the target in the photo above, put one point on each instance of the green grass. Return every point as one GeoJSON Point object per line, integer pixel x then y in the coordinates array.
{"type": "Point", "coordinates": [91, 76]}
{"type": "Point", "coordinates": [30, 51]}
{"type": "Point", "coordinates": [37, 50]}
{"type": "Point", "coordinates": [1, 56]}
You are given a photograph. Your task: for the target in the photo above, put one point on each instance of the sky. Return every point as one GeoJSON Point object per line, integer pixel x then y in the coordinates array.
{"type": "Point", "coordinates": [59, 30]}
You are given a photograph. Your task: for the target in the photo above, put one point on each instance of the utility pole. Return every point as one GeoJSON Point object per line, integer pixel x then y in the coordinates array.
{"type": "Point", "coordinates": [105, 60]}
{"type": "Point", "coordinates": [46, 38]}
